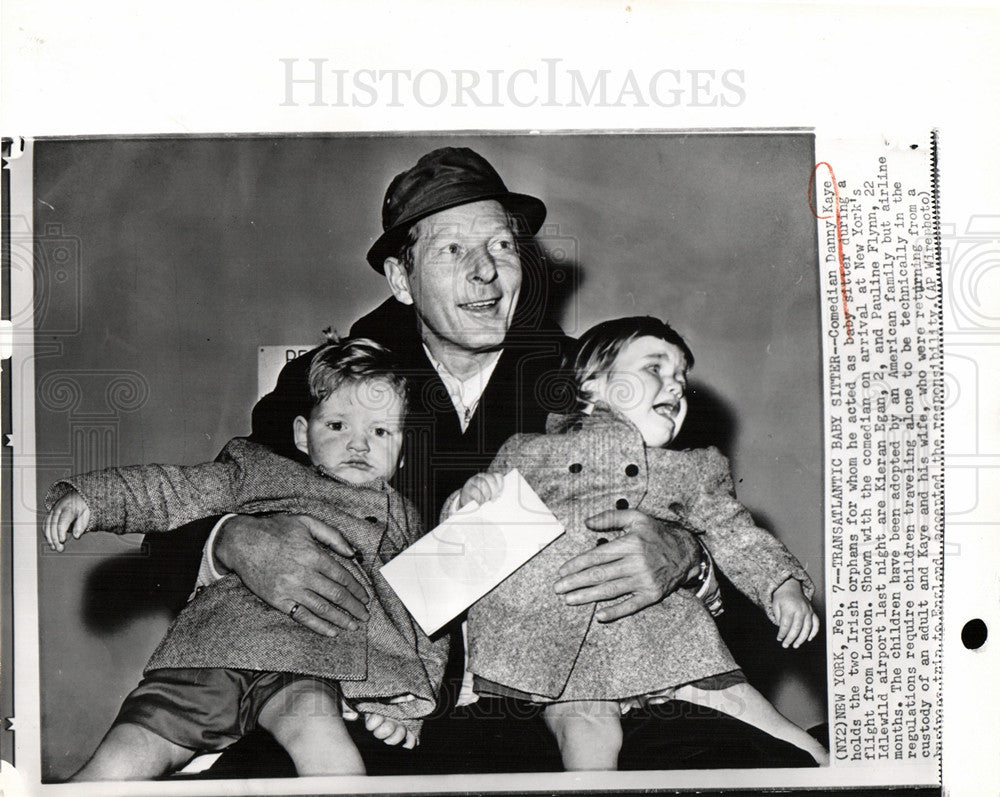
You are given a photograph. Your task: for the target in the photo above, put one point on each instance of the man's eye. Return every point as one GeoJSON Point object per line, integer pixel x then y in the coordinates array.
{"type": "Point", "coordinates": [381, 432]}
{"type": "Point", "coordinates": [334, 426]}
{"type": "Point", "coordinates": [452, 249]}
{"type": "Point", "coordinates": [504, 244]}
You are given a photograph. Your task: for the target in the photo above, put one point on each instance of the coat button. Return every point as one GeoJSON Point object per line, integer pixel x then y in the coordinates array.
{"type": "Point", "coordinates": [602, 540]}
{"type": "Point", "coordinates": [576, 467]}
{"type": "Point", "coordinates": [632, 471]}
{"type": "Point", "coordinates": [621, 503]}
{"type": "Point", "coordinates": [372, 519]}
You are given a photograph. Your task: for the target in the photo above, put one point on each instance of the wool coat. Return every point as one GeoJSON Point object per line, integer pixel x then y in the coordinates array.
{"type": "Point", "coordinates": [387, 659]}
{"type": "Point", "coordinates": [523, 636]}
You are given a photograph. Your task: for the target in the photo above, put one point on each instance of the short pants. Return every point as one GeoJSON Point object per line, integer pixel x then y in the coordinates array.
{"type": "Point", "coordinates": [206, 708]}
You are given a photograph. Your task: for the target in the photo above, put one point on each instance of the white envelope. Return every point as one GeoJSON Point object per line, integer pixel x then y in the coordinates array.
{"type": "Point", "coordinates": [451, 567]}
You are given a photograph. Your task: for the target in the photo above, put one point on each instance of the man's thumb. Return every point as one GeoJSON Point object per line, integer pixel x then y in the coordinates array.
{"type": "Point", "coordinates": [607, 520]}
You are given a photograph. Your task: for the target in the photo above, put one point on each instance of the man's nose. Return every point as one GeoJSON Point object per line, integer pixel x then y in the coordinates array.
{"type": "Point", "coordinates": [484, 267]}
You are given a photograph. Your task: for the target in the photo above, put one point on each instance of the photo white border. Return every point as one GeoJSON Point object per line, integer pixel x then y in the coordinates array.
{"type": "Point", "coordinates": [97, 69]}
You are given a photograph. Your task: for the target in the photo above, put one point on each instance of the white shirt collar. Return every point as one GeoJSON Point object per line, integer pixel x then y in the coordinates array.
{"type": "Point", "coordinates": [465, 393]}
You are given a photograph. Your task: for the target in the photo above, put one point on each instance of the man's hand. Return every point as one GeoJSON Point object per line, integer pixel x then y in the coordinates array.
{"type": "Point", "coordinates": [290, 560]}
{"type": "Point", "coordinates": [653, 559]}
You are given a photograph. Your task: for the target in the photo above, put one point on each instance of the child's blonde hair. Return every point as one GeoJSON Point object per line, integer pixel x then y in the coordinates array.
{"type": "Point", "coordinates": [350, 361]}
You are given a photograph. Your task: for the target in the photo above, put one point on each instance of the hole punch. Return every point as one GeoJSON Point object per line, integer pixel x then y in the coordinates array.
{"type": "Point", "coordinates": [974, 634]}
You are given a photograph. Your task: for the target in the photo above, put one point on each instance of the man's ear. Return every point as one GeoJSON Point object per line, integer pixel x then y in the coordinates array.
{"type": "Point", "coordinates": [399, 280]}
{"type": "Point", "coordinates": [300, 428]}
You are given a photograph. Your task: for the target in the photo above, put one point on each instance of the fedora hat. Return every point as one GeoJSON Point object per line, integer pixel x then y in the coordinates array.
{"type": "Point", "coordinates": [443, 179]}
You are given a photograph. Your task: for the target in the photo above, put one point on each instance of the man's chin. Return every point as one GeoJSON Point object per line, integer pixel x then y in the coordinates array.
{"type": "Point", "coordinates": [470, 337]}
{"type": "Point", "coordinates": [481, 340]}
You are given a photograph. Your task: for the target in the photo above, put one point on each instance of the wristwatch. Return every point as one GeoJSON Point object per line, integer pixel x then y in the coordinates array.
{"type": "Point", "coordinates": [704, 568]}
{"type": "Point", "coordinates": [705, 584]}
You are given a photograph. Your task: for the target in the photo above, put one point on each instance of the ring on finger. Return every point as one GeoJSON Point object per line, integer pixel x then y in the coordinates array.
{"type": "Point", "coordinates": [295, 608]}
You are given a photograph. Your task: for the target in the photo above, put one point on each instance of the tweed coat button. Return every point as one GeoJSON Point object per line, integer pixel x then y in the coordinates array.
{"type": "Point", "coordinates": [576, 467]}
{"type": "Point", "coordinates": [372, 519]}
{"type": "Point", "coordinates": [621, 503]}
{"type": "Point", "coordinates": [632, 471]}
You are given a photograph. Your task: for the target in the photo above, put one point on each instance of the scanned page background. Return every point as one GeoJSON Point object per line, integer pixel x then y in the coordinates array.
{"type": "Point", "coordinates": [185, 68]}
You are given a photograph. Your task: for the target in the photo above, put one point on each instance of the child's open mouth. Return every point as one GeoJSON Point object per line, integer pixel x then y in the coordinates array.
{"type": "Point", "coordinates": [666, 410]}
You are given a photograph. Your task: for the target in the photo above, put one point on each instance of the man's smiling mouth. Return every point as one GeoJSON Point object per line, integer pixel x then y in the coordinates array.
{"type": "Point", "coordinates": [481, 304]}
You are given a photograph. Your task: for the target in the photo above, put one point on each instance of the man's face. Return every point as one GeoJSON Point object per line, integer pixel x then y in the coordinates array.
{"type": "Point", "coordinates": [355, 433]}
{"type": "Point", "coordinates": [465, 279]}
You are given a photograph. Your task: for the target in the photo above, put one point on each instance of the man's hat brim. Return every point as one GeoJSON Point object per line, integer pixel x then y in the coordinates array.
{"type": "Point", "coordinates": [528, 209]}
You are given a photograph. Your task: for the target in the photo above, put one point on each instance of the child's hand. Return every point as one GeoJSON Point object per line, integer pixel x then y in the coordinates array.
{"type": "Point", "coordinates": [794, 615]}
{"type": "Point", "coordinates": [69, 512]}
{"type": "Point", "coordinates": [389, 731]}
{"type": "Point", "coordinates": [481, 488]}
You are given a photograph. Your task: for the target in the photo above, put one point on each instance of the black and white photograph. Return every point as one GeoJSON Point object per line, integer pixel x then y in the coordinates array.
{"type": "Point", "coordinates": [509, 285]}
{"type": "Point", "coordinates": [430, 398]}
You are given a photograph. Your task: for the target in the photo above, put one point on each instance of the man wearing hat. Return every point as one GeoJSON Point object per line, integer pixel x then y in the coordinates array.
{"type": "Point", "coordinates": [481, 358]}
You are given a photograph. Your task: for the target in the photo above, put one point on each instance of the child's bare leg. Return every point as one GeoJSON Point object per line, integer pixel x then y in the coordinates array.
{"type": "Point", "coordinates": [304, 717]}
{"type": "Point", "coordinates": [589, 733]}
{"type": "Point", "coordinates": [132, 752]}
{"type": "Point", "coordinates": [747, 704]}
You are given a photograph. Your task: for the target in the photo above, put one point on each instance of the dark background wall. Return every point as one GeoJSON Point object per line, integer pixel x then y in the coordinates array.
{"type": "Point", "coordinates": [162, 265]}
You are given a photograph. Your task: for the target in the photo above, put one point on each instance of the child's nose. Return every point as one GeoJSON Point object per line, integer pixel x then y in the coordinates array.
{"type": "Point", "coordinates": [673, 388]}
{"type": "Point", "coordinates": [358, 442]}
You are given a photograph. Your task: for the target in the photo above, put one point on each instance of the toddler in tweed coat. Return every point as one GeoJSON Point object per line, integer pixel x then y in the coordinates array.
{"type": "Point", "coordinates": [230, 662]}
{"type": "Point", "coordinates": [524, 640]}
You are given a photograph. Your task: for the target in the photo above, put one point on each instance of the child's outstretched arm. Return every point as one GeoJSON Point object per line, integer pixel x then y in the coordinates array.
{"type": "Point", "coordinates": [69, 513]}
{"type": "Point", "coordinates": [140, 499]}
{"type": "Point", "coordinates": [754, 560]}
{"type": "Point", "coordinates": [794, 615]}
